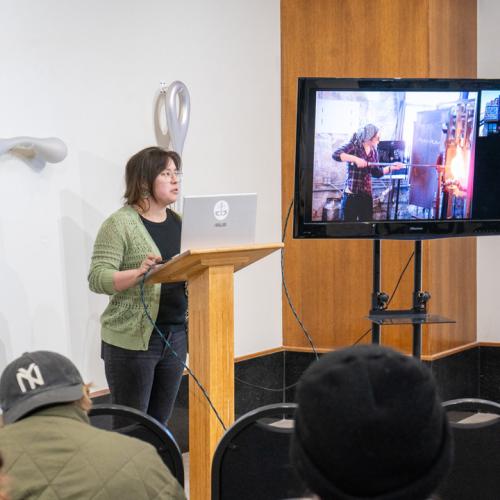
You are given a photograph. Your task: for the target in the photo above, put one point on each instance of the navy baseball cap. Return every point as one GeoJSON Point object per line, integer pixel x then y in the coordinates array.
{"type": "Point", "coordinates": [38, 379]}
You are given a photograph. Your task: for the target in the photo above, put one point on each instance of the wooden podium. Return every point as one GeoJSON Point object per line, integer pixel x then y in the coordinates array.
{"type": "Point", "coordinates": [209, 274]}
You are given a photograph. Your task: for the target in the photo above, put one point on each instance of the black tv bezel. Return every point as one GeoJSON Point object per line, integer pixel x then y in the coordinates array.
{"type": "Point", "coordinates": [396, 230]}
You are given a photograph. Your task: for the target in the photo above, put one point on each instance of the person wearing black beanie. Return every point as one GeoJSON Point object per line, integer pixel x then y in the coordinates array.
{"type": "Point", "coordinates": [370, 426]}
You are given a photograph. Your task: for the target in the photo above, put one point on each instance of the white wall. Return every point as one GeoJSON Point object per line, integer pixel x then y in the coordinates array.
{"type": "Point", "coordinates": [488, 249]}
{"type": "Point", "coordinates": [88, 72]}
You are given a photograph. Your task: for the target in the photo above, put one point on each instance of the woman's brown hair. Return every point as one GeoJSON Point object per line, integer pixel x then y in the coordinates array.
{"type": "Point", "coordinates": [141, 171]}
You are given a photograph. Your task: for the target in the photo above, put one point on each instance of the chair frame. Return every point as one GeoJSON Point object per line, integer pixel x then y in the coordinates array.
{"type": "Point", "coordinates": [449, 488]}
{"type": "Point", "coordinates": [485, 403]}
{"type": "Point", "coordinates": [240, 424]}
{"type": "Point", "coordinates": [150, 423]}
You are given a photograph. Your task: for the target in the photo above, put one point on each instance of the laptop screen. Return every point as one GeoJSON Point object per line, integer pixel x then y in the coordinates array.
{"type": "Point", "coordinates": [222, 220]}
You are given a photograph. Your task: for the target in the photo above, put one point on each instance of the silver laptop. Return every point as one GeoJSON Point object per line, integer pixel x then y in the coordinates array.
{"type": "Point", "coordinates": [222, 220]}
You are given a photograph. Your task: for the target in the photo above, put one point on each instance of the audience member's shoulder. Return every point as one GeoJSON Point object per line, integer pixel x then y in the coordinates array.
{"type": "Point", "coordinates": [118, 444]}
{"type": "Point", "coordinates": [138, 457]}
{"type": "Point", "coordinates": [9, 432]}
{"type": "Point", "coordinates": [10, 445]}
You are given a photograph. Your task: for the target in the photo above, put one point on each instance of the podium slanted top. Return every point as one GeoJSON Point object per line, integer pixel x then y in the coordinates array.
{"type": "Point", "coordinates": [192, 262]}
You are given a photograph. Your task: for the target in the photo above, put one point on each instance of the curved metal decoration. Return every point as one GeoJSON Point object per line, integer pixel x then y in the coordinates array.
{"type": "Point", "coordinates": [177, 123]}
{"type": "Point", "coordinates": [50, 149]}
{"type": "Point", "coordinates": [177, 109]}
{"type": "Point", "coordinates": [175, 99]}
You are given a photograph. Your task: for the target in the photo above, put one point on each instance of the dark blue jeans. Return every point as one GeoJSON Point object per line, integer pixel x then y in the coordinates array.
{"type": "Point", "coordinates": [146, 380]}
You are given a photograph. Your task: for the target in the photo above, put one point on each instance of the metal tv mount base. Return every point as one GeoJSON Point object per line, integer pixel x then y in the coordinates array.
{"type": "Point", "coordinates": [416, 316]}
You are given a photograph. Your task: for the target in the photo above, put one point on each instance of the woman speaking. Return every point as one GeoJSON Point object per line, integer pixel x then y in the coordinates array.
{"type": "Point", "coordinates": [141, 369]}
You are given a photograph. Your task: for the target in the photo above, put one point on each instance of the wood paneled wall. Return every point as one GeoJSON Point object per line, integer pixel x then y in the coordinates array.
{"type": "Point", "coordinates": [330, 280]}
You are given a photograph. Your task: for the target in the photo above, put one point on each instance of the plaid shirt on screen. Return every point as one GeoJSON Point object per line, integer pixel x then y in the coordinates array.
{"type": "Point", "coordinates": [359, 180]}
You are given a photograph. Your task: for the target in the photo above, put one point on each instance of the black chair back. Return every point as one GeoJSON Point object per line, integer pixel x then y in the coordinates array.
{"type": "Point", "coordinates": [252, 458]}
{"type": "Point", "coordinates": [144, 427]}
{"type": "Point", "coordinates": [475, 472]}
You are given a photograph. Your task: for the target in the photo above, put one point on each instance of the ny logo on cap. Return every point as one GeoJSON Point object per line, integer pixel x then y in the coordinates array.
{"type": "Point", "coordinates": [32, 375]}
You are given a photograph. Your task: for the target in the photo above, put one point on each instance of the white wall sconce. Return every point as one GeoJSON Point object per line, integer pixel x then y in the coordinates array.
{"type": "Point", "coordinates": [50, 149]}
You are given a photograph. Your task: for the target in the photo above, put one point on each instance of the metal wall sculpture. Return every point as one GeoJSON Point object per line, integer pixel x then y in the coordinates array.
{"type": "Point", "coordinates": [176, 105]}
{"type": "Point", "coordinates": [50, 149]}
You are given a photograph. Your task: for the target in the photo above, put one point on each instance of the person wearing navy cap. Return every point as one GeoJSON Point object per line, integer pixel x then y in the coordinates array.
{"type": "Point", "coordinates": [51, 451]}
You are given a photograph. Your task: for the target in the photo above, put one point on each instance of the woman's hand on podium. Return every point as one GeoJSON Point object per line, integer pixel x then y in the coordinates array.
{"type": "Point", "coordinates": [148, 264]}
{"type": "Point", "coordinates": [123, 280]}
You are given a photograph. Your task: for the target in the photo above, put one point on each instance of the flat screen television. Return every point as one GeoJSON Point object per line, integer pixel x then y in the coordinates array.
{"type": "Point", "coordinates": [397, 158]}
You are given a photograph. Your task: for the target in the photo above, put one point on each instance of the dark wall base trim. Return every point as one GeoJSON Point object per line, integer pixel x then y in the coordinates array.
{"type": "Point", "coordinates": [473, 371]}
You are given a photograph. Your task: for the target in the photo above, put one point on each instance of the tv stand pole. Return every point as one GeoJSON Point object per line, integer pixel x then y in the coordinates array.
{"type": "Point", "coordinates": [377, 295]}
{"type": "Point", "coordinates": [420, 299]}
{"type": "Point", "coordinates": [416, 316]}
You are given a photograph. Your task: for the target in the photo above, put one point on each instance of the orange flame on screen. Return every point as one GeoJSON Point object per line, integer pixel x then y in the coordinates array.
{"type": "Point", "coordinates": [458, 168]}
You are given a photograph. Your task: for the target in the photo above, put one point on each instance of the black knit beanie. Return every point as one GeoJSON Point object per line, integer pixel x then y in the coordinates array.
{"type": "Point", "coordinates": [370, 425]}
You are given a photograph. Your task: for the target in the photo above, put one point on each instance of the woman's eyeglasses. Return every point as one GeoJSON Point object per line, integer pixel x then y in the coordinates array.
{"type": "Point", "coordinates": [173, 173]}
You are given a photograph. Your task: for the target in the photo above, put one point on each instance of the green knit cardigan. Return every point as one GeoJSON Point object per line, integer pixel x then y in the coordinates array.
{"type": "Point", "coordinates": [121, 244]}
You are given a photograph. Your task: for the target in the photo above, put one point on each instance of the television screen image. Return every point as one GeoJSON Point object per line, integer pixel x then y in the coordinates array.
{"type": "Point", "coordinates": [396, 158]}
